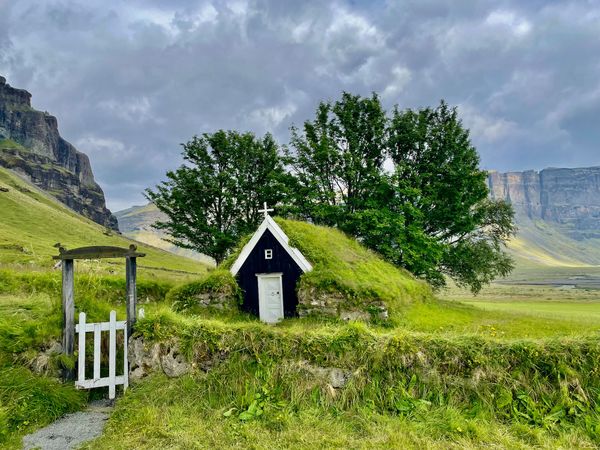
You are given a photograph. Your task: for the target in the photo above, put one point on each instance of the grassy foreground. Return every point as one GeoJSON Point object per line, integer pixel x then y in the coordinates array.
{"type": "Point", "coordinates": [405, 390]}
{"type": "Point", "coordinates": [190, 413]}
{"type": "Point", "coordinates": [447, 375]}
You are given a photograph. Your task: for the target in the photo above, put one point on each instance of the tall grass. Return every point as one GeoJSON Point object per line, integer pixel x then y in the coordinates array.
{"type": "Point", "coordinates": [30, 319]}
{"type": "Point", "coordinates": [550, 384]}
{"type": "Point", "coordinates": [257, 401]}
{"type": "Point", "coordinates": [28, 401]}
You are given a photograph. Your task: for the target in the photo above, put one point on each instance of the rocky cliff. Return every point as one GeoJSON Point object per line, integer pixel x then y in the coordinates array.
{"type": "Point", "coordinates": [31, 146]}
{"type": "Point", "coordinates": [568, 198]}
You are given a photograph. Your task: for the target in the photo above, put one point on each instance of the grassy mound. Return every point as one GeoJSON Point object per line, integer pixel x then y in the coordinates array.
{"type": "Point", "coordinates": [341, 264]}
{"type": "Point", "coordinates": [218, 286]}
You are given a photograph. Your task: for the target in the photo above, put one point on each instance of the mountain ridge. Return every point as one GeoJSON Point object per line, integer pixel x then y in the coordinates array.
{"type": "Point", "coordinates": [31, 146]}
{"type": "Point", "coordinates": [566, 197]}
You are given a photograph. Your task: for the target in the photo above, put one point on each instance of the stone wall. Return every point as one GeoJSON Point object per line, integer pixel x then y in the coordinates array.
{"type": "Point", "coordinates": [315, 302]}
{"type": "Point", "coordinates": [165, 357]}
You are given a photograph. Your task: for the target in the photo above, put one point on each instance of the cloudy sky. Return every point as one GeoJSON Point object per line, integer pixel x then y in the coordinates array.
{"type": "Point", "coordinates": [130, 80]}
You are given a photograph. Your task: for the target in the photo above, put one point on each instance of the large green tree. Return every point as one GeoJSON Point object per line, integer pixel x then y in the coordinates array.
{"type": "Point", "coordinates": [336, 159]}
{"type": "Point", "coordinates": [214, 197]}
{"type": "Point", "coordinates": [407, 185]}
{"type": "Point", "coordinates": [437, 173]}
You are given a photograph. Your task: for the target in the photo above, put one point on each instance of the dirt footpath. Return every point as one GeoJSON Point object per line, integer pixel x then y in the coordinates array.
{"type": "Point", "coordinates": [71, 430]}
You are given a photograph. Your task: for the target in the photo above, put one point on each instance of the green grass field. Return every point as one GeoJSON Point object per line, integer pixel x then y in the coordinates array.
{"type": "Point", "coordinates": [587, 313]}
{"type": "Point", "coordinates": [189, 413]}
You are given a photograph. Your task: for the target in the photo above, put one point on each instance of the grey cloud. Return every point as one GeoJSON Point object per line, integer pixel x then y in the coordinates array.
{"type": "Point", "coordinates": [130, 80]}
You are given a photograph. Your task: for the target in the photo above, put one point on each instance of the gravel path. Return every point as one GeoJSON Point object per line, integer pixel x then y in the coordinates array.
{"type": "Point", "coordinates": [71, 430]}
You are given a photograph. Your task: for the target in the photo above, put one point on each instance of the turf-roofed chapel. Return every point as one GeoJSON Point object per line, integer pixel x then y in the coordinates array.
{"type": "Point", "coordinates": [289, 268]}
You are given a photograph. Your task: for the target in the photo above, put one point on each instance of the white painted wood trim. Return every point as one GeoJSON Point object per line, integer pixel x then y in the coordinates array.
{"type": "Point", "coordinates": [260, 276]}
{"type": "Point", "coordinates": [104, 326]}
{"type": "Point", "coordinates": [271, 225]}
{"type": "Point", "coordinates": [100, 382]}
{"type": "Point", "coordinates": [97, 347]}
{"type": "Point", "coordinates": [112, 355]}
{"type": "Point", "coordinates": [81, 350]}
{"type": "Point", "coordinates": [125, 361]}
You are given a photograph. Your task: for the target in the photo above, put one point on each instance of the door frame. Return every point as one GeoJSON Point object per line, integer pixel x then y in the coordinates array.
{"type": "Point", "coordinates": [259, 278]}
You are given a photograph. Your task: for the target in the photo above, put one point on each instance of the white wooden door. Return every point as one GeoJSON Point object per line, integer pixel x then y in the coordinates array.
{"type": "Point", "coordinates": [270, 297]}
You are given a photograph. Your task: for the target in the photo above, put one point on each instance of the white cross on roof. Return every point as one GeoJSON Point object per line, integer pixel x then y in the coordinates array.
{"type": "Point", "coordinates": [265, 210]}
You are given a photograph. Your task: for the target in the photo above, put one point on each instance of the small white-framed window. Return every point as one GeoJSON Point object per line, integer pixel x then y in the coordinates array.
{"type": "Point", "coordinates": [268, 253]}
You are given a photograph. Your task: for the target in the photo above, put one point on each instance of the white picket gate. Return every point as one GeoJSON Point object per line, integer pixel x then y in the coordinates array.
{"type": "Point", "coordinates": [97, 328]}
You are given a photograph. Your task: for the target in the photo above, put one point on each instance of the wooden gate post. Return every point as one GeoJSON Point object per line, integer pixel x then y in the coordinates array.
{"type": "Point", "coordinates": [68, 309]}
{"type": "Point", "coordinates": [131, 272]}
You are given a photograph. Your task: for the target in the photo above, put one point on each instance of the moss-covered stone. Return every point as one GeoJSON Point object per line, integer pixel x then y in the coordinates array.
{"type": "Point", "coordinates": [218, 289]}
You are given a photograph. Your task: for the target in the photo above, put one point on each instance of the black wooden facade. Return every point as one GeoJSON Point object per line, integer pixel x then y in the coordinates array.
{"type": "Point", "coordinates": [256, 263]}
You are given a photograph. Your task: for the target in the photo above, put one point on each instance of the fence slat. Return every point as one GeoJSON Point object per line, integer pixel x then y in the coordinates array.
{"type": "Point", "coordinates": [112, 355]}
{"type": "Point", "coordinates": [97, 346]}
{"type": "Point", "coordinates": [125, 361]}
{"type": "Point", "coordinates": [81, 361]}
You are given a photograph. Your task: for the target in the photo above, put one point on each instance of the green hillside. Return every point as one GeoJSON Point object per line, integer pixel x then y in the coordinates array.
{"type": "Point", "coordinates": [32, 222]}
{"type": "Point", "coordinates": [543, 244]}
